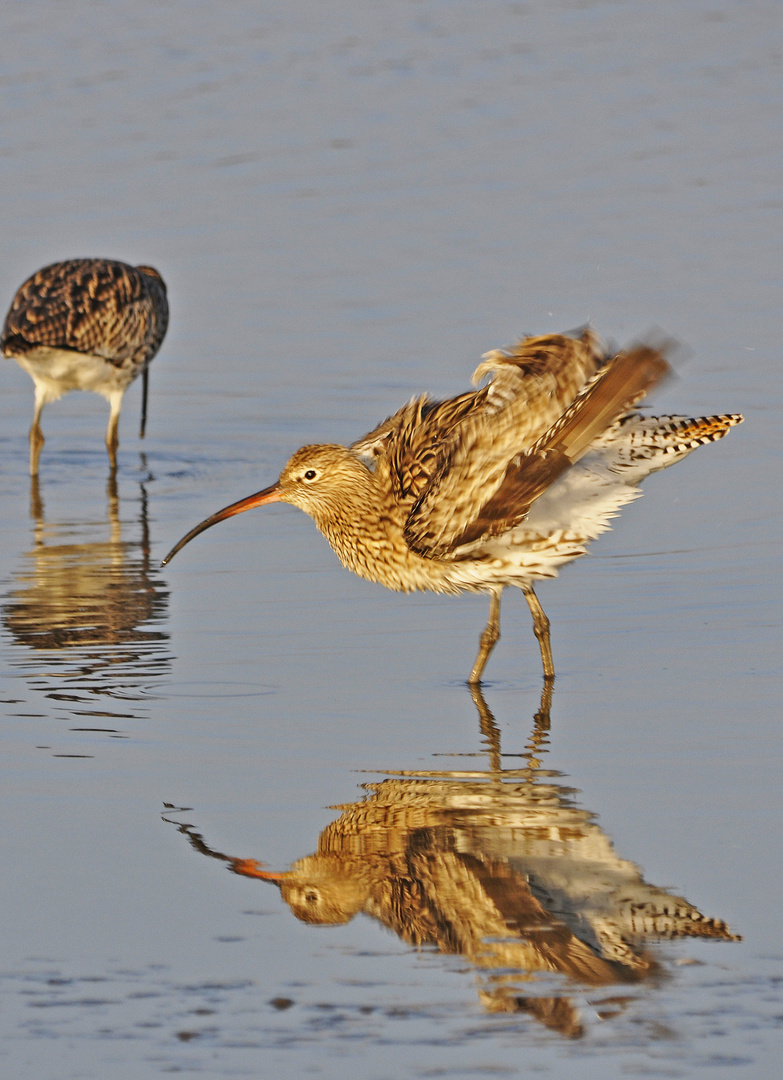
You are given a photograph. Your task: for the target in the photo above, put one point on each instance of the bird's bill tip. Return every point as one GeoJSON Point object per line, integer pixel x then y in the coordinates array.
{"type": "Point", "coordinates": [261, 498]}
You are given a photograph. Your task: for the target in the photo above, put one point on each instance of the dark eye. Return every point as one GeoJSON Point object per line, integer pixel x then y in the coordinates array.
{"type": "Point", "coordinates": [310, 474]}
{"type": "Point", "coordinates": [311, 897]}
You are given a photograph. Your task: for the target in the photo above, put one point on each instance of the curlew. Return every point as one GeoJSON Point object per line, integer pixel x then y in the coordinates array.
{"type": "Point", "coordinates": [499, 486]}
{"type": "Point", "coordinates": [86, 324]}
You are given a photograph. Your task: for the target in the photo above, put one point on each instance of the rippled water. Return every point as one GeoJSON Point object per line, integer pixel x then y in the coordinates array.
{"type": "Point", "coordinates": [349, 205]}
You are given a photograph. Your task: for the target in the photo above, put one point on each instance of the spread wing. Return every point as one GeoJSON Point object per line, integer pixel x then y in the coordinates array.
{"type": "Point", "coordinates": [494, 471]}
{"type": "Point", "coordinates": [409, 444]}
{"type": "Point", "coordinates": [427, 445]}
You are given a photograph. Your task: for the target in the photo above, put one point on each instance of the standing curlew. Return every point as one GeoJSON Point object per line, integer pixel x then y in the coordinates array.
{"type": "Point", "coordinates": [86, 324]}
{"type": "Point", "coordinates": [499, 486]}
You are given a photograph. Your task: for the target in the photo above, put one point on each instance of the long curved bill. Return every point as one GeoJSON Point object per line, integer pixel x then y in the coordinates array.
{"type": "Point", "coordinates": [261, 498]}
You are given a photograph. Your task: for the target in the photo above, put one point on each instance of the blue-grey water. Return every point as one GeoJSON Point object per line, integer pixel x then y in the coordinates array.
{"type": "Point", "coordinates": [350, 203]}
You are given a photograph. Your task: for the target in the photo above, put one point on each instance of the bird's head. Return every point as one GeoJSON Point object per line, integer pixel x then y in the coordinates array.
{"type": "Point", "coordinates": [321, 480]}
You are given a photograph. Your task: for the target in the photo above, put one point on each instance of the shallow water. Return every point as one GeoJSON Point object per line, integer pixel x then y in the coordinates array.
{"type": "Point", "coordinates": [350, 205]}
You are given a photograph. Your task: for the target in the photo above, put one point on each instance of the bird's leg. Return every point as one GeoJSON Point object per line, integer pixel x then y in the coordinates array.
{"type": "Point", "coordinates": [541, 630]}
{"type": "Point", "coordinates": [36, 502]}
{"type": "Point", "coordinates": [112, 435]}
{"type": "Point", "coordinates": [144, 384]}
{"type": "Point", "coordinates": [36, 435]}
{"type": "Point", "coordinates": [36, 442]}
{"type": "Point", "coordinates": [488, 639]}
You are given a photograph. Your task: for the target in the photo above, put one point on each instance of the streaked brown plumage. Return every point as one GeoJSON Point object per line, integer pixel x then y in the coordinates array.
{"type": "Point", "coordinates": [496, 487]}
{"type": "Point", "coordinates": [86, 324]}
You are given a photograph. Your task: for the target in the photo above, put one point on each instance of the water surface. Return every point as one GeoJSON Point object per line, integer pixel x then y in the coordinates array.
{"type": "Point", "coordinates": [350, 205]}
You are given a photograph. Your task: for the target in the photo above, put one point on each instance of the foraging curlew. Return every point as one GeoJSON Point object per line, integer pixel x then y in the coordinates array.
{"type": "Point", "coordinates": [499, 486]}
{"type": "Point", "coordinates": [86, 324]}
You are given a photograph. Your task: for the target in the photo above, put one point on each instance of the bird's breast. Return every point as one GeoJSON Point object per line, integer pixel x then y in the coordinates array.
{"type": "Point", "coordinates": [374, 548]}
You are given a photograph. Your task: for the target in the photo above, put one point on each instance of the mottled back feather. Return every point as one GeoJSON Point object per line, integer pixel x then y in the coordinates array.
{"type": "Point", "coordinates": [95, 306]}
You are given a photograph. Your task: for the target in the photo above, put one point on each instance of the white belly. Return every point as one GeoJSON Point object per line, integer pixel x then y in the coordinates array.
{"type": "Point", "coordinates": [56, 371]}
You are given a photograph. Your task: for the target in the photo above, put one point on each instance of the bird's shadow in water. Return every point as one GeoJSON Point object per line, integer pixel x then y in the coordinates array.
{"type": "Point", "coordinates": [500, 866]}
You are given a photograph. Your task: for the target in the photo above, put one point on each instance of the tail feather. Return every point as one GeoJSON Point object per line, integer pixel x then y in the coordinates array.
{"type": "Point", "coordinates": [681, 434]}
{"type": "Point", "coordinates": [644, 444]}
{"type": "Point", "coordinates": [620, 384]}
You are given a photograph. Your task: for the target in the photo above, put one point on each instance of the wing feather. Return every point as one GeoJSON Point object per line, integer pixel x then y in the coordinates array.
{"type": "Point", "coordinates": [502, 476]}
{"type": "Point", "coordinates": [428, 447]}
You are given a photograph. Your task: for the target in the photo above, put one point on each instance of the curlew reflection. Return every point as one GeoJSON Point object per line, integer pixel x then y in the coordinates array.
{"type": "Point", "coordinates": [498, 865]}
{"type": "Point", "coordinates": [87, 606]}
